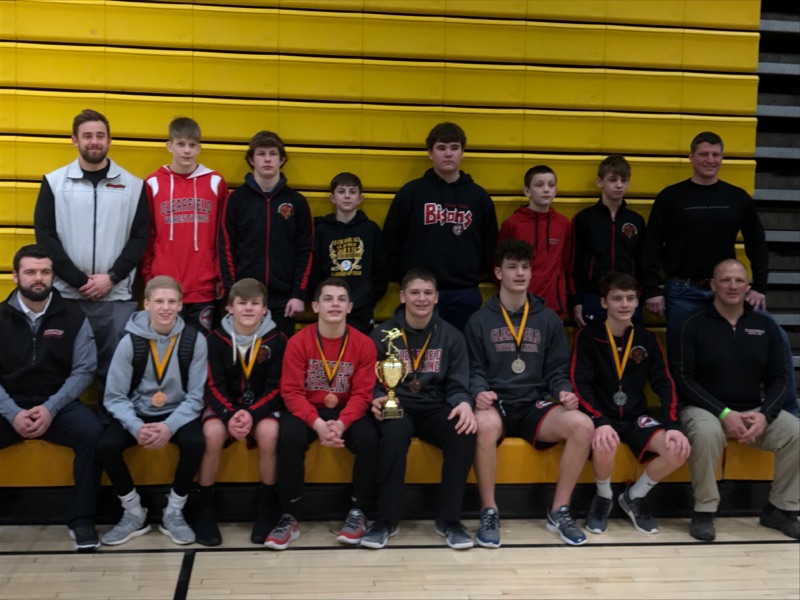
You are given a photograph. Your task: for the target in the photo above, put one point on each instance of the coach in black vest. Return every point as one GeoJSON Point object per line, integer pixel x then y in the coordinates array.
{"type": "Point", "coordinates": [46, 361]}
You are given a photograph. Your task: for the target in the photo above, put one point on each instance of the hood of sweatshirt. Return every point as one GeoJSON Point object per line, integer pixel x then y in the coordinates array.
{"type": "Point", "coordinates": [250, 181]}
{"type": "Point", "coordinates": [537, 304]}
{"type": "Point", "coordinates": [463, 178]}
{"type": "Point", "coordinates": [239, 340]}
{"type": "Point", "coordinates": [139, 324]}
{"type": "Point", "coordinates": [359, 217]}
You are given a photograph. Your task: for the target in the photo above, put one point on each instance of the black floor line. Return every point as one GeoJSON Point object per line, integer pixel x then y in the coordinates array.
{"type": "Point", "coordinates": [185, 576]}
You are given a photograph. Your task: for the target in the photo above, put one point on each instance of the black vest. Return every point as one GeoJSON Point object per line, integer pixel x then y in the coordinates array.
{"type": "Point", "coordinates": [34, 367]}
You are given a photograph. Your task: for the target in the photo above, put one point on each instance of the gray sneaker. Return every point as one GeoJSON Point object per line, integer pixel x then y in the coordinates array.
{"type": "Point", "coordinates": [129, 527]}
{"type": "Point", "coordinates": [378, 534]}
{"type": "Point", "coordinates": [455, 534]}
{"type": "Point", "coordinates": [599, 511]}
{"type": "Point", "coordinates": [174, 526]}
{"type": "Point", "coordinates": [488, 534]}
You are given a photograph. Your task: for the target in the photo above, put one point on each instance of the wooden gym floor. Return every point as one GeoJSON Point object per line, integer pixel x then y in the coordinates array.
{"type": "Point", "coordinates": [746, 561]}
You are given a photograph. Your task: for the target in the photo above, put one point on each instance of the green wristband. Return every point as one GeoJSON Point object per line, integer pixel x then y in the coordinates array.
{"type": "Point", "coordinates": [724, 413]}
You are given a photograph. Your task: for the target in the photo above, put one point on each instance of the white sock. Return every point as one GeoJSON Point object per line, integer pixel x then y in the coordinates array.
{"type": "Point", "coordinates": [643, 485]}
{"type": "Point", "coordinates": [175, 503]}
{"type": "Point", "coordinates": [604, 488]}
{"type": "Point", "coordinates": [132, 503]}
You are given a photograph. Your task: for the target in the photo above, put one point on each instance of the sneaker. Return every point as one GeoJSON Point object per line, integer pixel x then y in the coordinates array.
{"type": "Point", "coordinates": [378, 534]}
{"type": "Point", "coordinates": [175, 527]}
{"type": "Point", "coordinates": [287, 530]}
{"type": "Point", "coordinates": [206, 529]}
{"type": "Point", "coordinates": [354, 527]}
{"type": "Point", "coordinates": [455, 534]}
{"type": "Point", "coordinates": [561, 522]}
{"type": "Point", "coordinates": [702, 526]}
{"type": "Point", "coordinates": [599, 510]}
{"type": "Point", "coordinates": [488, 534]}
{"type": "Point", "coordinates": [85, 537]}
{"type": "Point", "coordinates": [782, 520]}
{"type": "Point", "coordinates": [129, 527]}
{"type": "Point", "coordinates": [637, 510]}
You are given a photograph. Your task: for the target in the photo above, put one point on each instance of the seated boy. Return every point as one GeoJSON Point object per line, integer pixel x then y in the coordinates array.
{"type": "Point", "coordinates": [242, 402]}
{"type": "Point", "coordinates": [267, 232]}
{"type": "Point", "coordinates": [327, 382]}
{"type": "Point", "coordinates": [437, 408]}
{"type": "Point", "coordinates": [349, 245]}
{"type": "Point", "coordinates": [608, 236]}
{"type": "Point", "coordinates": [550, 235]}
{"type": "Point", "coordinates": [612, 362]}
{"type": "Point", "coordinates": [185, 200]}
{"type": "Point", "coordinates": [155, 394]}
{"type": "Point", "coordinates": [519, 377]}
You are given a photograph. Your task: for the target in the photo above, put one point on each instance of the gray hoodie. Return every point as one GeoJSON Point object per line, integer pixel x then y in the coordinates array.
{"type": "Point", "coordinates": [180, 408]}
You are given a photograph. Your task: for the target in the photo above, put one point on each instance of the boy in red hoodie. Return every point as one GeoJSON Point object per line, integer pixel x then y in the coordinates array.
{"type": "Point", "coordinates": [550, 235]}
{"type": "Point", "coordinates": [185, 199]}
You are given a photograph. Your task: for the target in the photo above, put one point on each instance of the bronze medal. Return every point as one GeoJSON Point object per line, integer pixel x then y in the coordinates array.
{"type": "Point", "coordinates": [331, 400]}
{"type": "Point", "coordinates": [414, 385]}
{"type": "Point", "coordinates": [159, 399]}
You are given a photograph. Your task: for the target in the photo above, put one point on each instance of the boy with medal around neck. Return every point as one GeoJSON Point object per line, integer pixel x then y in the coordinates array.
{"type": "Point", "coordinates": [519, 362]}
{"type": "Point", "coordinates": [437, 409]}
{"type": "Point", "coordinates": [242, 403]}
{"type": "Point", "coordinates": [157, 409]}
{"type": "Point", "coordinates": [327, 382]}
{"type": "Point", "coordinates": [612, 362]}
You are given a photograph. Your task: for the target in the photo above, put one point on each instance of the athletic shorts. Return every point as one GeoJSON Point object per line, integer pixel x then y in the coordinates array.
{"type": "Point", "coordinates": [524, 420]}
{"type": "Point", "coordinates": [638, 434]}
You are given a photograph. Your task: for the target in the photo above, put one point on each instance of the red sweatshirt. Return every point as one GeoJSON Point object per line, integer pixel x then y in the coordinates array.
{"type": "Point", "coordinates": [304, 383]}
{"type": "Point", "coordinates": [184, 219]}
{"type": "Point", "coordinates": [550, 235]}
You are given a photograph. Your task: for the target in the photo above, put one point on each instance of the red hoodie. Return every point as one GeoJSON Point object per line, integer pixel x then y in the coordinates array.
{"type": "Point", "coordinates": [550, 236]}
{"type": "Point", "coordinates": [184, 220]}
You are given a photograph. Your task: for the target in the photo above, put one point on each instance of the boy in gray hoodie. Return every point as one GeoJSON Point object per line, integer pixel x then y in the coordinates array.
{"type": "Point", "coordinates": [154, 391]}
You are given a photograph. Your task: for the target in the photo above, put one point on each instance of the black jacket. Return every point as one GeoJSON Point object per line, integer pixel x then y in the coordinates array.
{"type": "Point", "coordinates": [355, 252]}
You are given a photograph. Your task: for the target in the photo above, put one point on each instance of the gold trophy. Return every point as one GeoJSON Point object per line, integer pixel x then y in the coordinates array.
{"type": "Point", "coordinates": [390, 372]}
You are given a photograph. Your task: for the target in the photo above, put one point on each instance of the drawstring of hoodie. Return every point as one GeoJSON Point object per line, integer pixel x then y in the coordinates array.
{"type": "Point", "coordinates": [172, 208]}
{"type": "Point", "coordinates": [194, 203]}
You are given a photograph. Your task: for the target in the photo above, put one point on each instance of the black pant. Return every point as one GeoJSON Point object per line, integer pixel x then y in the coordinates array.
{"type": "Point", "coordinates": [432, 426]}
{"type": "Point", "coordinates": [294, 438]}
{"type": "Point", "coordinates": [116, 439]}
{"type": "Point", "coordinates": [78, 427]}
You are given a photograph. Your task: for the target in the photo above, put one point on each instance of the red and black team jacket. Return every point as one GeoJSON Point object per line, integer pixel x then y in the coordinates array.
{"type": "Point", "coordinates": [594, 376]}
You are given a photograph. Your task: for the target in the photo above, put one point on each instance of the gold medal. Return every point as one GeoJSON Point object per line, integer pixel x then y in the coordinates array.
{"type": "Point", "coordinates": [331, 400]}
{"type": "Point", "coordinates": [159, 399]}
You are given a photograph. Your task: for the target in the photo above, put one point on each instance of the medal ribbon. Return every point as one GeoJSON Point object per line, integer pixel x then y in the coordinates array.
{"type": "Point", "coordinates": [247, 365]}
{"type": "Point", "coordinates": [416, 360]}
{"type": "Point", "coordinates": [613, 346]}
{"type": "Point", "coordinates": [516, 333]}
{"type": "Point", "coordinates": [159, 366]}
{"type": "Point", "coordinates": [331, 373]}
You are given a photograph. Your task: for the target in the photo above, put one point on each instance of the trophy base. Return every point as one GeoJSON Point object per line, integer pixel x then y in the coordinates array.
{"type": "Point", "coordinates": [392, 412]}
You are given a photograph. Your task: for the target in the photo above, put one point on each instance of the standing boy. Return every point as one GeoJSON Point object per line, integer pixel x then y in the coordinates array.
{"type": "Point", "coordinates": [349, 245]}
{"type": "Point", "coordinates": [550, 235]}
{"type": "Point", "coordinates": [519, 361]}
{"type": "Point", "coordinates": [185, 199]}
{"type": "Point", "coordinates": [327, 382]}
{"type": "Point", "coordinates": [612, 362]}
{"type": "Point", "coordinates": [437, 408]}
{"type": "Point", "coordinates": [267, 232]}
{"type": "Point", "coordinates": [242, 403]}
{"type": "Point", "coordinates": [445, 222]}
{"type": "Point", "coordinates": [155, 394]}
{"type": "Point", "coordinates": [607, 236]}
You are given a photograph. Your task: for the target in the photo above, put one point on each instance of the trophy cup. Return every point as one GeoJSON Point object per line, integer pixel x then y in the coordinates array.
{"type": "Point", "coordinates": [390, 372]}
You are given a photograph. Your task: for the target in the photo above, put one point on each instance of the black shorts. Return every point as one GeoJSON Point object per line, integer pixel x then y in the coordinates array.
{"type": "Point", "coordinates": [638, 435]}
{"type": "Point", "coordinates": [208, 413]}
{"type": "Point", "coordinates": [524, 420]}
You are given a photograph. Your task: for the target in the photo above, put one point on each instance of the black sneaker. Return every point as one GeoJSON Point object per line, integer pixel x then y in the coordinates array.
{"type": "Point", "coordinates": [206, 530]}
{"type": "Point", "coordinates": [782, 520]}
{"type": "Point", "coordinates": [85, 537]}
{"type": "Point", "coordinates": [264, 523]}
{"type": "Point", "coordinates": [638, 511]}
{"type": "Point", "coordinates": [599, 511]}
{"type": "Point", "coordinates": [455, 534]}
{"type": "Point", "coordinates": [377, 535]}
{"type": "Point", "coordinates": [702, 526]}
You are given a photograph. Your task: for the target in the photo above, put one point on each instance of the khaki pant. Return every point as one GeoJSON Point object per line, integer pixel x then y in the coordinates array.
{"type": "Point", "coordinates": [707, 437]}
